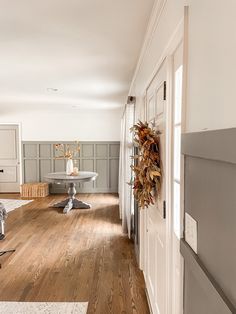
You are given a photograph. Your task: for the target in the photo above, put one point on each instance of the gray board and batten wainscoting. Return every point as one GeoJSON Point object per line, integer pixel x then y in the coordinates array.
{"type": "Point", "coordinates": [39, 158]}
{"type": "Point", "coordinates": [210, 198]}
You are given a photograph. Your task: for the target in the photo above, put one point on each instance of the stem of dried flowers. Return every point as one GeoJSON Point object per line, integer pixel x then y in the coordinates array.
{"type": "Point", "coordinates": [67, 153]}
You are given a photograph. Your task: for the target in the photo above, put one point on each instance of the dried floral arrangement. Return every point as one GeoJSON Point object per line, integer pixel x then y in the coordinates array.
{"type": "Point", "coordinates": [64, 151]}
{"type": "Point", "coordinates": [147, 172]}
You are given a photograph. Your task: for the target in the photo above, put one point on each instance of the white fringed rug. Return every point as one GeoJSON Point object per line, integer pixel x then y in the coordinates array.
{"type": "Point", "coordinates": [10, 204]}
{"type": "Point", "coordinates": [43, 307]}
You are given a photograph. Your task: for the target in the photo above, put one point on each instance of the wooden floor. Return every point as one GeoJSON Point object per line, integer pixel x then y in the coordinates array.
{"type": "Point", "coordinates": [82, 256]}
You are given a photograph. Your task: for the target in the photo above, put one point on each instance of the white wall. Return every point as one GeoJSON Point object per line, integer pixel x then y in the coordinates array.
{"type": "Point", "coordinates": [212, 63]}
{"type": "Point", "coordinates": [57, 125]}
{"type": "Point", "coordinates": [164, 29]}
{"type": "Point", "coordinates": [211, 78]}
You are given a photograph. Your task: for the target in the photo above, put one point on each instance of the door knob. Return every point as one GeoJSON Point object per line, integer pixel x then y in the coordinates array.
{"type": "Point", "coordinates": [1, 170]}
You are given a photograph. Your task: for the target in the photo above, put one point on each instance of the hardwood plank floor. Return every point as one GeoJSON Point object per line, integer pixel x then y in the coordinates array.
{"type": "Point", "coordinates": [82, 256]}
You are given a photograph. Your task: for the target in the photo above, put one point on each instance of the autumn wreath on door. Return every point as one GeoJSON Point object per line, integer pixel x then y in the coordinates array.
{"type": "Point", "coordinates": [147, 165]}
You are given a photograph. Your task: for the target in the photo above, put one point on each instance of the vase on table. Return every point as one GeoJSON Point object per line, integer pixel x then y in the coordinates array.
{"type": "Point", "coordinates": [69, 166]}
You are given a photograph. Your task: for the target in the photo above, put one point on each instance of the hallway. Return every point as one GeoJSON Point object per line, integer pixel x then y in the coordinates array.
{"type": "Point", "coordinates": [82, 256]}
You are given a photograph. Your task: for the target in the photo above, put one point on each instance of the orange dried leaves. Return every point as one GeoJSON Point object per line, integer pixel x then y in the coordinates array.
{"type": "Point", "coordinates": [147, 171]}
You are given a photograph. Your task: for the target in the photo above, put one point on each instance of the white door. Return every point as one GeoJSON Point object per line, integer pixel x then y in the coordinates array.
{"type": "Point", "coordinates": [177, 184]}
{"type": "Point", "coordinates": [155, 268]}
{"type": "Point", "coordinates": [9, 159]}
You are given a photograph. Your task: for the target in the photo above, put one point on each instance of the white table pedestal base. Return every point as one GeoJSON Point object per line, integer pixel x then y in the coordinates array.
{"type": "Point", "coordinates": [72, 202]}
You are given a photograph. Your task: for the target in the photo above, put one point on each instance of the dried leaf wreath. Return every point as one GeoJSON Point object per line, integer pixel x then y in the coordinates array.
{"type": "Point", "coordinates": [147, 170]}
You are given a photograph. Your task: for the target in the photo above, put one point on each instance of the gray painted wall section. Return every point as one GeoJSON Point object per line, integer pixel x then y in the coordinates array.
{"type": "Point", "coordinates": [214, 145]}
{"type": "Point", "coordinates": [102, 157]}
{"type": "Point", "coordinates": [210, 198]}
{"type": "Point", "coordinates": [202, 293]}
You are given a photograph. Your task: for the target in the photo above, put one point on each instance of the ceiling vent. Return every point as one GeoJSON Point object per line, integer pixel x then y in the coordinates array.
{"type": "Point", "coordinates": [131, 100]}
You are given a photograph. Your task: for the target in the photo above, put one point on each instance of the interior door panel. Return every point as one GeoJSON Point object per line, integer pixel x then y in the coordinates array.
{"type": "Point", "coordinates": [155, 238]}
{"type": "Point", "coordinates": [9, 159]}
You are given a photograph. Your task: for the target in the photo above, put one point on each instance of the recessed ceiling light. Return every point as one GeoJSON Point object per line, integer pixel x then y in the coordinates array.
{"type": "Point", "coordinates": [52, 89]}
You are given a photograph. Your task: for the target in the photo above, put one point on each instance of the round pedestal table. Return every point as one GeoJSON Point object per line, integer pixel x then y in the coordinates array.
{"type": "Point", "coordinates": [62, 178]}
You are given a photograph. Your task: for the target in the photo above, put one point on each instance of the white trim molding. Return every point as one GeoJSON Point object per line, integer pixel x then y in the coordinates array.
{"type": "Point", "coordinates": [173, 42]}
{"type": "Point", "coordinates": [151, 28]}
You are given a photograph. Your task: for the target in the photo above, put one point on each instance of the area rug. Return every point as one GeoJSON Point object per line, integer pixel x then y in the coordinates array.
{"type": "Point", "coordinates": [43, 307]}
{"type": "Point", "coordinates": [10, 204]}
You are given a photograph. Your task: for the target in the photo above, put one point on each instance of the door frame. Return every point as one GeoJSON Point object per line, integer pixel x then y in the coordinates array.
{"type": "Point", "coordinates": [172, 277]}
{"type": "Point", "coordinates": [19, 125]}
{"type": "Point", "coordinates": [179, 35]}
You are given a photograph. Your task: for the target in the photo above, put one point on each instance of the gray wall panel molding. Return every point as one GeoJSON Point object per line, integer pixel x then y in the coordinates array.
{"type": "Point", "coordinates": [215, 145]}
{"type": "Point", "coordinates": [204, 286]}
{"type": "Point", "coordinates": [210, 198]}
{"type": "Point", "coordinates": [103, 157]}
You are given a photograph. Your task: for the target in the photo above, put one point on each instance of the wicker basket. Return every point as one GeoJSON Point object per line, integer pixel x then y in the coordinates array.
{"type": "Point", "coordinates": [34, 189]}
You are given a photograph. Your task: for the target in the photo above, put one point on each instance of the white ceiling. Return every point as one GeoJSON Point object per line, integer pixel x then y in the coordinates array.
{"type": "Point", "coordinates": [87, 49]}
